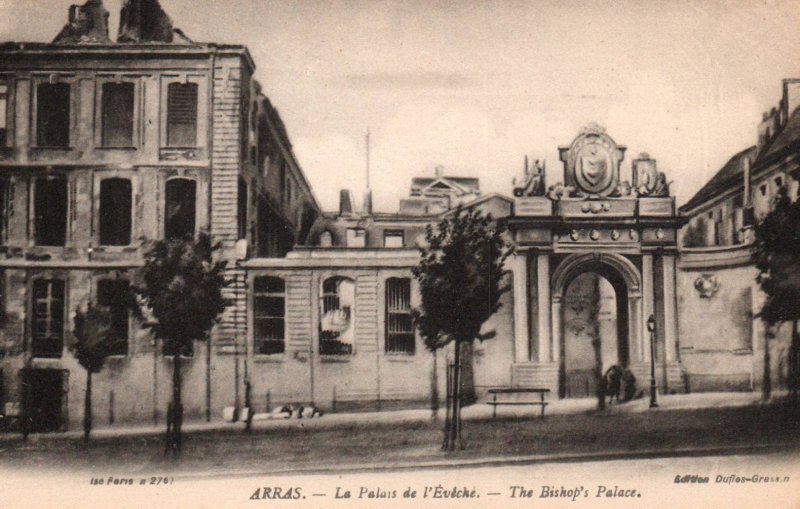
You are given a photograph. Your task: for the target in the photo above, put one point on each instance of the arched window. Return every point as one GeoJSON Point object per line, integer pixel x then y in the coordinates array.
{"type": "Point", "coordinates": [336, 316]}
{"type": "Point", "coordinates": [269, 307]}
{"type": "Point", "coordinates": [400, 336]}
{"type": "Point", "coordinates": [325, 239]}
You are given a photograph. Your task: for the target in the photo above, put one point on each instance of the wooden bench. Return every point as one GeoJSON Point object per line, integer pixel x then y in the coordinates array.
{"type": "Point", "coordinates": [521, 390]}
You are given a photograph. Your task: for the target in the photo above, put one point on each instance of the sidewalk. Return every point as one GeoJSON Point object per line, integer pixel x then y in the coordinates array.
{"type": "Point", "coordinates": [478, 411]}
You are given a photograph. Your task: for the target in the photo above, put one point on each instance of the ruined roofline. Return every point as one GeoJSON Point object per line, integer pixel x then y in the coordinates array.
{"type": "Point", "coordinates": [25, 49]}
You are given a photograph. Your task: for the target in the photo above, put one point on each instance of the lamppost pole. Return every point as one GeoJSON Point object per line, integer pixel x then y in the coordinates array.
{"type": "Point", "coordinates": [651, 327]}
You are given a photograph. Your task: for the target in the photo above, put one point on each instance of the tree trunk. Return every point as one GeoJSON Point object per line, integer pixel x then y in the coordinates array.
{"type": "Point", "coordinates": [177, 407]}
{"type": "Point", "coordinates": [453, 423]}
{"type": "Point", "coordinates": [87, 409]}
{"type": "Point", "coordinates": [467, 382]}
{"type": "Point", "coordinates": [794, 368]}
{"type": "Point", "coordinates": [434, 389]}
{"type": "Point", "coordinates": [598, 352]}
{"type": "Point", "coordinates": [766, 384]}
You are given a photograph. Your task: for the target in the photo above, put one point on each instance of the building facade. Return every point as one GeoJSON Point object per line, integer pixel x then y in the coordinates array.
{"type": "Point", "coordinates": [721, 340]}
{"type": "Point", "coordinates": [105, 146]}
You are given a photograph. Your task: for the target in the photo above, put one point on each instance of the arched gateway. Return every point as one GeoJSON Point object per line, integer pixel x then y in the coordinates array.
{"type": "Point", "coordinates": [595, 258]}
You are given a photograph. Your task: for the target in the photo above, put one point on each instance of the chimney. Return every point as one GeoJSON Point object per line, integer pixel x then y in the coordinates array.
{"type": "Point", "coordinates": [144, 21]}
{"type": "Point", "coordinates": [439, 172]}
{"type": "Point", "coordinates": [345, 202]}
{"type": "Point", "coordinates": [87, 24]}
{"type": "Point", "coordinates": [791, 96]}
{"type": "Point", "coordinates": [747, 197]}
{"type": "Point", "coordinates": [368, 202]}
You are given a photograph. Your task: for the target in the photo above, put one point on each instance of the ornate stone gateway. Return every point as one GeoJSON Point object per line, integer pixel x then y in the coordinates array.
{"type": "Point", "coordinates": [612, 239]}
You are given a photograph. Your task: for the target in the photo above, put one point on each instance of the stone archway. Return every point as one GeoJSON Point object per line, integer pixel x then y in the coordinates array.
{"type": "Point", "coordinates": [617, 280]}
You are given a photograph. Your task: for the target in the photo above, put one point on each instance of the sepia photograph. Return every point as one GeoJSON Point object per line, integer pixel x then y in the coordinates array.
{"type": "Point", "coordinates": [399, 253]}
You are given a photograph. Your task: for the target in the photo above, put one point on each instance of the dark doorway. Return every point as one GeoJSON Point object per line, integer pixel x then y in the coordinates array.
{"type": "Point", "coordinates": [594, 315]}
{"type": "Point", "coordinates": [43, 393]}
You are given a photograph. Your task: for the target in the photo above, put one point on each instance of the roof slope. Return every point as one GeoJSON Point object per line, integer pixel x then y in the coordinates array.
{"type": "Point", "coordinates": [731, 174]}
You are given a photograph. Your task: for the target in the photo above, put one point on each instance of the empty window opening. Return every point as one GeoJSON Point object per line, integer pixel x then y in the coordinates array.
{"type": "Point", "coordinates": [336, 316]}
{"type": "Point", "coordinates": [48, 318]}
{"type": "Point", "coordinates": [3, 114]}
{"type": "Point", "coordinates": [356, 237]}
{"type": "Point", "coordinates": [180, 208]}
{"type": "Point", "coordinates": [50, 209]}
{"type": "Point", "coordinates": [115, 212]}
{"type": "Point", "coordinates": [393, 238]}
{"type": "Point", "coordinates": [325, 239]}
{"type": "Point", "coordinates": [182, 115]}
{"type": "Point", "coordinates": [400, 336]}
{"type": "Point", "coordinates": [115, 295]}
{"type": "Point", "coordinates": [117, 120]}
{"type": "Point", "coordinates": [52, 113]}
{"type": "Point", "coordinates": [269, 315]}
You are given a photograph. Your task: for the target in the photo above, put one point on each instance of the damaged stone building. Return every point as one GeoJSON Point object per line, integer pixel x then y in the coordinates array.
{"type": "Point", "coordinates": [105, 145]}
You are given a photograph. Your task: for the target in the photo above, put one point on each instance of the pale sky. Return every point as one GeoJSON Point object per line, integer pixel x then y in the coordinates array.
{"type": "Point", "coordinates": [474, 86]}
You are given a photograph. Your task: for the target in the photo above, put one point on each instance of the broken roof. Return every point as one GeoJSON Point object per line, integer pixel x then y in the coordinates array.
{"type": "Point", "coordinates": [731, 175]}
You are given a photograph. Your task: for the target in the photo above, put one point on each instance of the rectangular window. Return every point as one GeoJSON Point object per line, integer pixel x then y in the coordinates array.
{"type": "Point", "coordinates": [48, 318]}
{"type": "Point", "coordinates": [393, 238]}
{"type": "Point", "coordinates": [356, 237]}
{"type": "Point", "coordinates": [117, 116]}
{"type": "Point", "coordinates": [269, 302]}
{"type": "Point", "coordinates": [3, 114]}
{"type": "Point", "coordinates": [114, 294]}
{"type": "Point", "coordinates": [400, 336]}
{"type": "Point", "coordinates": [336, 327]}
{"type": "Point", "coordinates": [182, 115]}
{"type": "Point", "coordinates": [115, 212]}
{"type": "Point", "coordinates": [50, 211]}
{"type": "Point", "coordinates": [180, 208]}
{"type": "Point", "coordinates": [52, 114]}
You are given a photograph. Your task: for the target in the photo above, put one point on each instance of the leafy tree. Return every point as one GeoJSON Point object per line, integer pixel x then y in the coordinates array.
{"type": "Point", "coordinates": [460, 277]}
{"type": "Point", "coordinates": [91, 344]}
{"type": "Point", "coordinates": [181, 285]}
{"type": "Point", "coordinates": [777, 257]}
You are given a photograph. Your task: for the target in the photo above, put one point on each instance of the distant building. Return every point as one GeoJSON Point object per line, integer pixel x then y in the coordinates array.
{"type": "Point", "coordinates": [720, 339]}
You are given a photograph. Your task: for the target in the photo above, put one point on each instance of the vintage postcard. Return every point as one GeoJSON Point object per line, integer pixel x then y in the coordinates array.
{"type": "Point", "coordinates": [399, 253]}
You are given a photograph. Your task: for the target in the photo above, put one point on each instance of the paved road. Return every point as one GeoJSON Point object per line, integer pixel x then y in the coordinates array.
{"type": "Point", "coordinates": [636, 483]}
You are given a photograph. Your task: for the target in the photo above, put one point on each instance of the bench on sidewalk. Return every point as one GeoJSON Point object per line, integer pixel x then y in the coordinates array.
{"type": "Point", "coordinates": [520, 390]}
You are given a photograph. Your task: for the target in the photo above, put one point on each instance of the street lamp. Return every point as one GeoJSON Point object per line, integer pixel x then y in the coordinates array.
{"type": "Point", "coordinates": [651, 327]}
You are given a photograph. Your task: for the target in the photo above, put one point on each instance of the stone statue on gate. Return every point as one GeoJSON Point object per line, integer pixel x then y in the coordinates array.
{"type": "Point", "coordinates": [533, 181]}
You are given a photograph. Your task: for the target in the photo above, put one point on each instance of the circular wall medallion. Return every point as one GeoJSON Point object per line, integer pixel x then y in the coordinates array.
{"type": "Point", "coordinates": [594, 235]}
{"type": "Point", "coordinates": [614, 234]}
